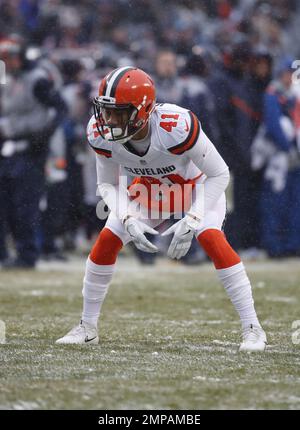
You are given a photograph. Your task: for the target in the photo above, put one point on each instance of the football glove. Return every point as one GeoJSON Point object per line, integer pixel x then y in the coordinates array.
{"type": "Point", "coordinates": [137, 229]}
{"type": "Point", "coordinates": [184, 231]}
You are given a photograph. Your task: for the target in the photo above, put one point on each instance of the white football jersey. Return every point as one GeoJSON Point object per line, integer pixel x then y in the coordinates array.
{"type": "Point", "coordinates": [179, 153]}
{"type": "Point", "coordinates": [174, 130]}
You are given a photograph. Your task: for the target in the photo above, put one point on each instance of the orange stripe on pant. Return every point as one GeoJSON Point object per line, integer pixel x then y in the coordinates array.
{"type": "Point", "coordinates": [218, 249]}
{"type": "Point", "coordinates": [106, 248]}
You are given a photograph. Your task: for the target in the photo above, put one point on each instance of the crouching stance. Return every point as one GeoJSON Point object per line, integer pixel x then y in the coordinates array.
{"type": "Point", "coordinates": [174, 168]}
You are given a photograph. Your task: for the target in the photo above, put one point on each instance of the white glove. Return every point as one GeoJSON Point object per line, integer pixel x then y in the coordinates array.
{"type": "Point", "coordinates": [184, 231]}
{"type": "Point", "coordinates": [136, 230]}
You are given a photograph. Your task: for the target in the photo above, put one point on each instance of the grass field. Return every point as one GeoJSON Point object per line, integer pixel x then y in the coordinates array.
{"type": "Point", "coordinates": [169, 340]}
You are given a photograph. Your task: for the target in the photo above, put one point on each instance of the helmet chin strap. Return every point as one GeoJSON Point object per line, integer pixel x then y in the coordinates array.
{"type": "Point", "coordinates": [118, 132]}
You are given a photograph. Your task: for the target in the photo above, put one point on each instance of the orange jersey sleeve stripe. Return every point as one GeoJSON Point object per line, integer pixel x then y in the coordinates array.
{"type": "Point", "coordinates": [104, 152]}
{"type": "Point", "coordinates": [192, 138]}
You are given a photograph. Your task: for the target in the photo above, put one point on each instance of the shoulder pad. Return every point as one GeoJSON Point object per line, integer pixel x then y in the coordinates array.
{"type": "Point", "coordinates": [97, 143]}
{"type": "Point", "coordinates": [179, 127]}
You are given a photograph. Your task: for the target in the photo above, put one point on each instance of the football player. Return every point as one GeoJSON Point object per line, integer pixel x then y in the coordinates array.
{"type": "Point", "coordinates": [159, 146]}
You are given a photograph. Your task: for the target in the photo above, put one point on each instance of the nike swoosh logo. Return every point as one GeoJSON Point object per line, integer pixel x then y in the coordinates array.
{"type": "Point", "coordinates": [89, 340]}
{"type": "Point", "coordinates": [187, 128]}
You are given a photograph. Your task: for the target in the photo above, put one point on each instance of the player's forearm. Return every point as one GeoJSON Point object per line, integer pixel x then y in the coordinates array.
{"type": "Point", "coordinates": [116, 198]}
{"type": "Point", "coordinates": [112, 187]}
{"type": "Point", "coordinates": [214, 188]}
{"type": "Point", "coordinates": [206, 195]}
{"type": "Point", "coordinates": [205, 156]}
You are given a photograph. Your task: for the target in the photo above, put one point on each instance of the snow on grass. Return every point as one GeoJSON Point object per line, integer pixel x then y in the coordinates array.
{"type": "Point", "coordinates": [168, 339]}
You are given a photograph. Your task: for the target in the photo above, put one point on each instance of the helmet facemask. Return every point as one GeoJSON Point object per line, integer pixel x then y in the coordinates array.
{"type": "Point", "coordinates": [127, 125]}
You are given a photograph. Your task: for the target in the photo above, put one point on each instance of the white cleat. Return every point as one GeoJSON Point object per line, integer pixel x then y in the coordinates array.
{"type": "Point", "coordinates": [83, 333]}
{"type": "Point", "coordinates": [254, 339]}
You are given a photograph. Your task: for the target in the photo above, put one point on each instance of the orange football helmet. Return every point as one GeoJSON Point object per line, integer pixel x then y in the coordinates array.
{"type": "Point", "coordinates": [130, 92]}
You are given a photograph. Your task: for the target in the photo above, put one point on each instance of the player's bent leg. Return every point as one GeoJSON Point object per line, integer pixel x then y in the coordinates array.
{"type": "Point", "coordinates": [99, 270]}
{"type": "Point", "coordinates": [232, 275]}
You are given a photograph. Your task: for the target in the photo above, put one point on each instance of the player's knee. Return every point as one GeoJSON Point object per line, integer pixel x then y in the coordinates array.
{"type": "Point", "coordinates": [106, 248]}
{"type": "Point", "coordinates": [215, 245]}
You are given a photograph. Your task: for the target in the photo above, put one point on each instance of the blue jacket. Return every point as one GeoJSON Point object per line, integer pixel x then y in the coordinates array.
{"type": "Point", "coordinates": [278, 103]}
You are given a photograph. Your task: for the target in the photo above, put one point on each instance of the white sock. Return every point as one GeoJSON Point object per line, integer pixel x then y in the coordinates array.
{"type": "Point", "coordinates": [95, 285]}
{"type": "Point", "coordinates": [238, 288]}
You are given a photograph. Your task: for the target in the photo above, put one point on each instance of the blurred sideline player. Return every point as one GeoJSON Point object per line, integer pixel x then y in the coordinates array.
{"type": "Point", "coordinates": [157, 144]}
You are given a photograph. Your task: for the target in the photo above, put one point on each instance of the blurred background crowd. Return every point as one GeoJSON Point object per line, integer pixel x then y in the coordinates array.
{"type": "Point", "coordinates": [229, 61]}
